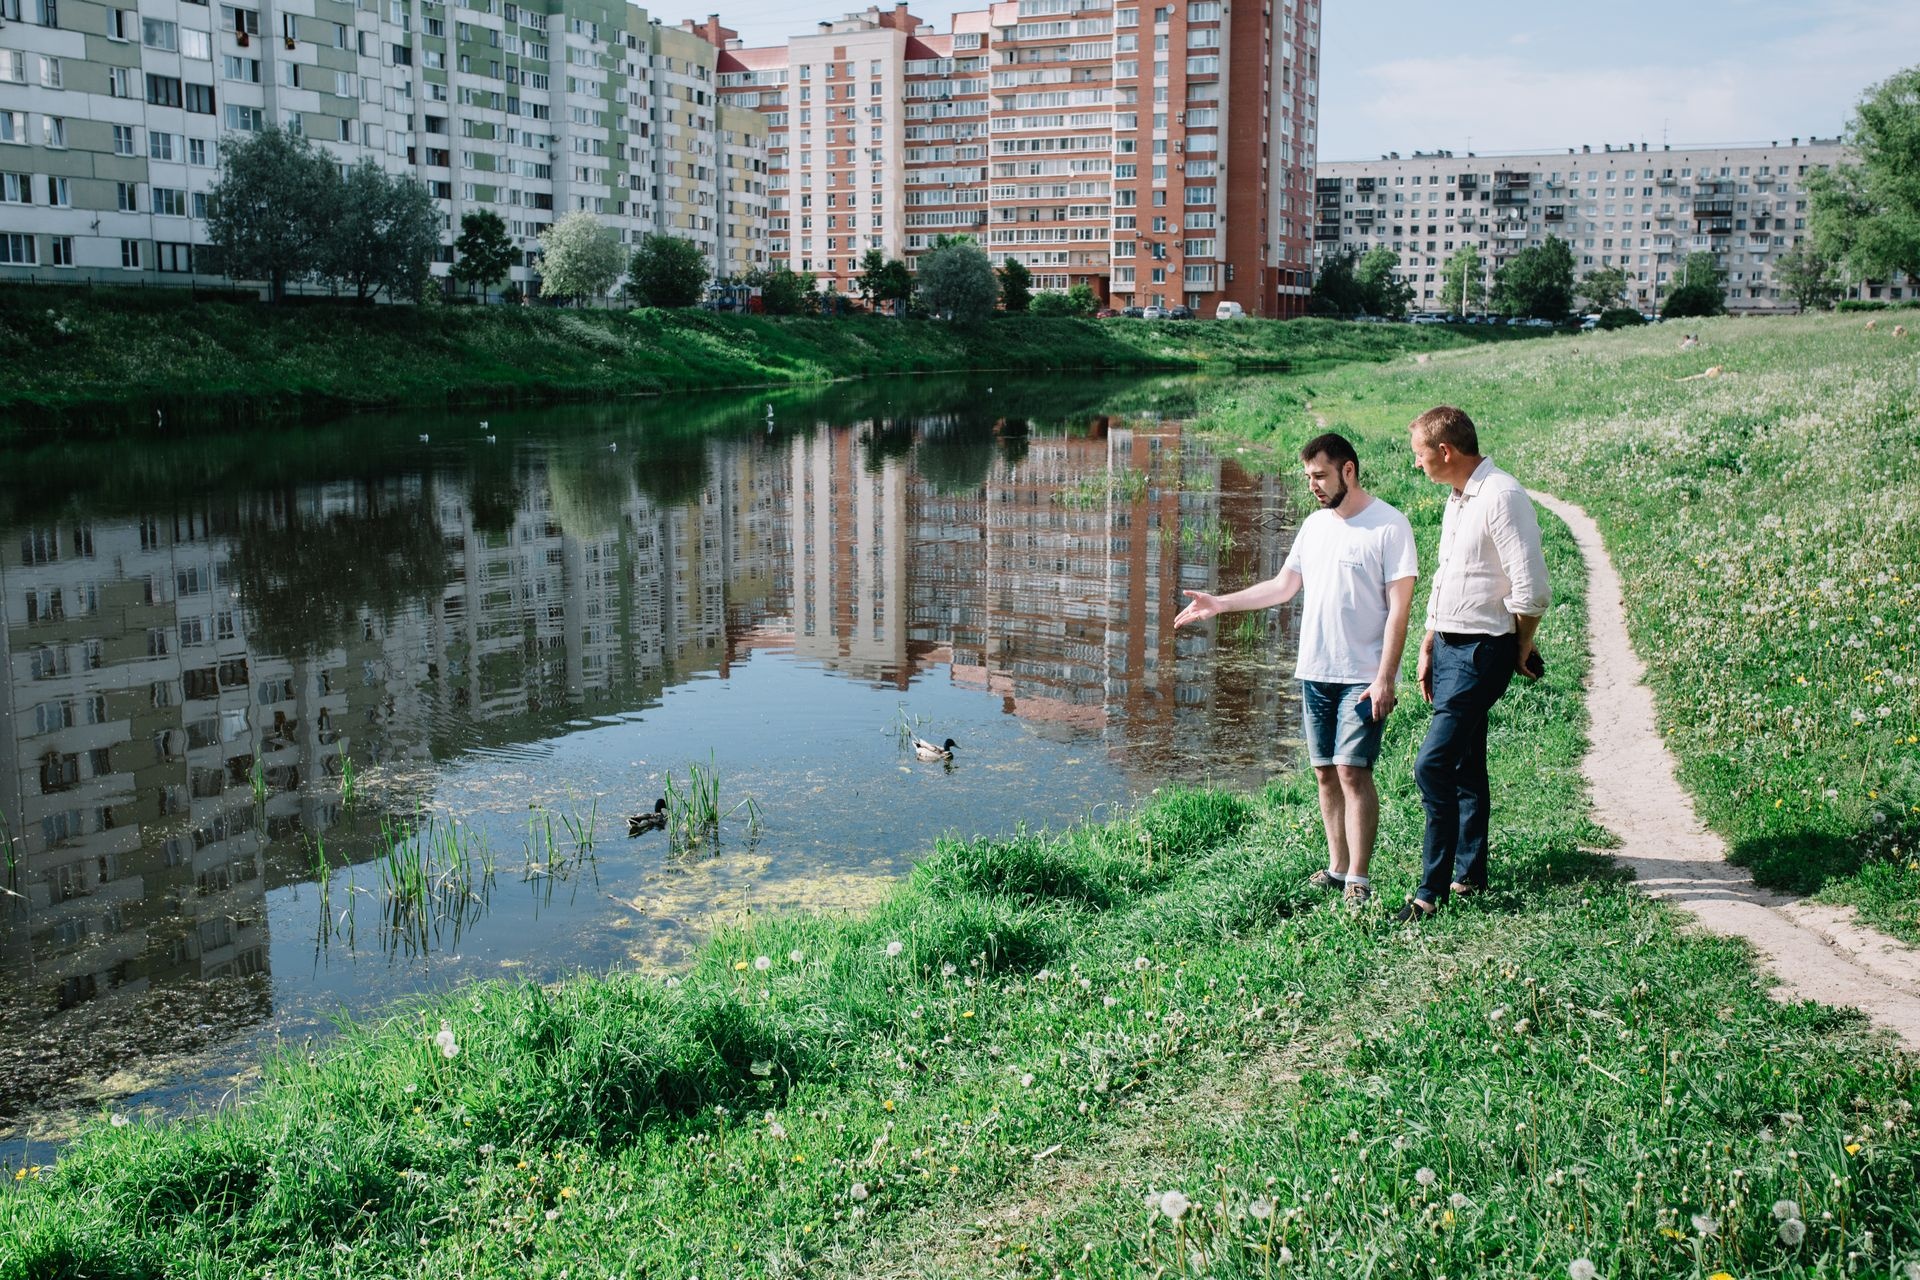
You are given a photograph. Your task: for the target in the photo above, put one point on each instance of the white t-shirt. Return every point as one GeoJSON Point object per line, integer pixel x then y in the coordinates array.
{"type": "Point", "coordinates": [1346, 564]}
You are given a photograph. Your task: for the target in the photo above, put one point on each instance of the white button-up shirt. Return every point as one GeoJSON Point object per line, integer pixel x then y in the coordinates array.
{"type": "Point", "coordinates": [1491, 567]}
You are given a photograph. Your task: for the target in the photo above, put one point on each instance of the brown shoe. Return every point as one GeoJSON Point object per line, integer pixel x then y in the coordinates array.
{"type": "Point", "coordinates": [1325, 879]}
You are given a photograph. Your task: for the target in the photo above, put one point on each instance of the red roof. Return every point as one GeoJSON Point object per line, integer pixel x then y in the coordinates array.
{"type": "Point", "coordinates": [766, 59]}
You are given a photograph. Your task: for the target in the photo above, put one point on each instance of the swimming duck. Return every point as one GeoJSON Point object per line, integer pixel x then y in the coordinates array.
{"type": "Point", "coordinates": [641, 823]}
{"type": "Point", "coordinates": [927, 751]}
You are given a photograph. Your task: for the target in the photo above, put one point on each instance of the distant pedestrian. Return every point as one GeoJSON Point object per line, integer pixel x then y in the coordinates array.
{"type": "Point", "coordinates": [1489, 593]}
{"type": "Point", "coordinates": [1356, 562]}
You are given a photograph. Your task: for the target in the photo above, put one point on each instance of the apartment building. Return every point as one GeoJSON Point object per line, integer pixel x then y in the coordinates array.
{"type": "Point", "coordinates": [110, 119]}
{"type": "Point", "coordinates": [1090, 140]}
{"type": "Point", "coordinates": [1640, 208]}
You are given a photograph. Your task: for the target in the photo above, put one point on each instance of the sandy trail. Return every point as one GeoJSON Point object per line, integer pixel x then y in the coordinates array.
{"type": "Point", "coordinates": [1816, 951]}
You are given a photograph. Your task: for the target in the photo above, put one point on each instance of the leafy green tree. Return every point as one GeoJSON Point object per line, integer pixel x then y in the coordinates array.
{"type": "Point", "coordinates": [1604, 288]}
{"type": "Point", "coordinates": [1382, 291]}
{"type": "Point", "coordinates": [873, 266]}
{"type": "Point", "coordinates": [483, 252]}
{"type": "Point", "coordinates": [1868, 214]}
{"type": "Point", "coordinates": [1463, 286]}
{"type": "Point", "coordinates": [1808, 275]}
{"type": "Point", "coordinates": [784, 292]}
{"type": "Point", "coordinates": [1082, 300]}
{"type": "Point", "coordinates": [270, 213]}
{"type": "Point", "coordinates": [383, 236]}
{"type": "Point", "coordinates": [1698, 290]}
{"type": "Point", "coordinates": [580, 258]}
{"type": "Point", "coordinates": [1537, 282]}
{"type": "Point", "coordinates": [884, 279]}
{"type": "Point", "coordinates": [1050, 304]}
{"type": "Point", "coordinates": [1336, 291]}
{"type": "Point", "coordinates": [667, 271]}
{"type": "Point", "coordinates": [957, 280]}
{"type": "Point", "coordinates": [1016, 286]}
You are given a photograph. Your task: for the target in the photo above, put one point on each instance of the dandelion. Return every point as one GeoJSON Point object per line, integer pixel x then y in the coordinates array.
{"type": "Point", "coordinates": [1109, 1001]}
{"type": "Point", "coordinates": [762, 963]}
{"type": "Point", "coordinates": [1792, 1232]}
{"type": "Point", "coordinates": [566, 1193]}
{"type": "Point", "coordinates": [947, 970]}
{"type": "Point", "coordinates": [1582, 1269]}
{"type": "Point", "coordinates": [1175, 1205]}
{"type": "Point", "coordinates": [857, 1192]}
{"type": "Point", "coordinates": [449, 1047]}
{"type": "Point", "coordinates": [1704, 1225]}
{"type": "Point", "coordinates": [485, 1148]}
{"type": "Point", "coordinates": [894, 948]}
{"type": "Point", "coordinates": [1026, 1080]}
{"type": "Point", "coordinates": [1458, 1200]}
{"type": "Point", "coordinates": [1424, 1176]}
{"type": "Point", "coordinates": [1261, 1209]}
{"type": "Point", "coordinates": [1784, 1209]}
{"type": "Point", "coordinates": [796, 956]}
{"type": "Point", "coordinates": [1286, 1255]}
{"type": "Point", "coordinates": [121, 1121]}
{"type": "Point", "coordinates": [553, 1215]}
{"type": "Point", "coordinates": [1139, 964]}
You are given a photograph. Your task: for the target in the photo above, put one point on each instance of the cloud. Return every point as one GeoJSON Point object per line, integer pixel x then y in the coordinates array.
{"type": "Point", "coordinates": [1799, 83]}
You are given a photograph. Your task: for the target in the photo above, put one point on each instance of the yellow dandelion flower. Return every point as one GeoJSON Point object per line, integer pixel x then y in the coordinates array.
{"type": "Point", "coordinates": [967, 1014]}
{"type": "Point", "coordinates": [799, 1158]}
{"type": "Point", "coordinates": [739, 966]}
{"type": "Point", "coordinates": [1720, 1275]}
{"type": "Point", "coordinates": [1853, 1148]}
{"type": "Point", "coordinates": [1446, 1219]}
{"type": "Point", "coordinates": [1673, 1233]}
{"type": "Point", "coordinates": [566, 1193]}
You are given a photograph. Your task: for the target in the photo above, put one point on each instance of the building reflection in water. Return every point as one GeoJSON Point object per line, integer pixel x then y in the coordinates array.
{"type": "Point", "coordinates": [184, 688]}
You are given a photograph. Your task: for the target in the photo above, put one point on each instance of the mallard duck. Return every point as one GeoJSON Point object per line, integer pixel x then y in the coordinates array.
{"type": "Point", "coordinates": [927, 751]}
{"type": "Point", "coordinates": [641, 823]}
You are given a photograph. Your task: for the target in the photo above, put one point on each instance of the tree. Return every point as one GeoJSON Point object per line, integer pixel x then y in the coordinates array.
{"type": "Point", "coordinates": [1537, 282]}
{"type": "Point", "coordinates": [1463, 286]}
{"type": "Point", "coordinates": [1868, 214]}
{"type": "Point", "coordinates": [1809, 276]}
{"type": "Point", "coordinates": [1082, 300]}
{"type": "Point", "coordinates": [1016, 286]}
{"type": "Point", "coordinates": [1604, 288]}
{"type": "Point", "coordinates": [783, 292]}
{"type": "Point", "coordinates": [270, 212]}
{"type": "Point", "coordinates": [873, 266]}
{"type": "Point", "coordinates": [957, 281]}
{"type": "Point", "coordinates": [1698, 290]}
{"type": "Point", "coordinates": [667, 271]}
{"type": "Point", "coordinates": [483, 252]}
{"type": "Point", "coordinates": [1050, 305]}
{"type": "Point", "coordinates": [884, 279]}
{"type": "Point", "coordinates": [383, 236]}
{"type": "Point", "coordinates": [1336, 291]}
{"type": "Point", "coordinates": [1382, 291]}
{"type": "Point", "coordinates": [579, 257]}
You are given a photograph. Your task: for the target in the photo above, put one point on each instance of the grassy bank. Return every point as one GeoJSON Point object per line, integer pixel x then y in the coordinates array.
{"type": "Point", "coordinates": [99, 359]}
{"type": "Point", "coordinates": [1767, 523]}
{"type": "Point", "coordinates": [1010, 1067]}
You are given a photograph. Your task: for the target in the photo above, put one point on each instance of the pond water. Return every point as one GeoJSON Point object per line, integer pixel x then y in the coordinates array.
{"type": "Point", "coordinates": [298, 724]}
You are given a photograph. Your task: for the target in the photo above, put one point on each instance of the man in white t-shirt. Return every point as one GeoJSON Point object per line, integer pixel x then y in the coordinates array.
{"type": "Point", "coordinates": [1355, 560]}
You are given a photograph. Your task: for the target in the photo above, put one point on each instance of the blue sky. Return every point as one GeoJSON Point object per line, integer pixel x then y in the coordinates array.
{"type": "Point", "coordinates": [1508, 75]}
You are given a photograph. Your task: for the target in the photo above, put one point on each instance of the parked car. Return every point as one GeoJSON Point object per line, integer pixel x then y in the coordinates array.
{"type": "Point", "coordinates": [1134, 313]}
{"type": "Point", "coordinates": [1427, 317]}
{"type": "Point", "coordinates": [1105, 313]}
{"type": "Point", "coordinates": [1535, 322]}
{"type": "Point", "coordinates": [1229, 311]}
{"type": "Point", "coordinates": [1153, 313]}
{"type": "Point", "coordinates": [1179, 313]}
{"type": "Point", "coordinates": [1589, 323]}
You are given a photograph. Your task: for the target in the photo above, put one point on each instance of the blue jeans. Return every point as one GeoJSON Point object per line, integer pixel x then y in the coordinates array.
{"type": "Point", "coordinates": [1469, 674]}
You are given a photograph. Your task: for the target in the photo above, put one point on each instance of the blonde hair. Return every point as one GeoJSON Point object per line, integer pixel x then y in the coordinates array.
{"type": "Point", "coordinates": [1447, 425]}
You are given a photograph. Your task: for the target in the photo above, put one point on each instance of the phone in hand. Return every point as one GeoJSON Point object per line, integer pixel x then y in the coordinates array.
{"type": "Point", "coordinates": [1536, 665]}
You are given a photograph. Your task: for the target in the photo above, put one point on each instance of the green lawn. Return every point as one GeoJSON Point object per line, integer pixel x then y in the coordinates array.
{"type": "Point", "coordinates": [1767, 525]}
{"type": "Point", "coordinates": [1071, 1029]}
{"type": "Point", "coordinates": [104, 359]}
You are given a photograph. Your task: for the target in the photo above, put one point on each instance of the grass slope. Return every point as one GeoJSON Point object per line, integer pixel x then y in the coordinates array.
{"type": "Point", "coordinates": [1767, 524]}
{"type": "Point", "coordinates": [96, 359]}
{"type": "Point", "coordinates": [1048, 1035]}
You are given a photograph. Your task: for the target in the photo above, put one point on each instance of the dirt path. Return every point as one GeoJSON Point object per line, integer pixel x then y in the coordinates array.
{"type": "Point", "coordinates": [1818, 952]}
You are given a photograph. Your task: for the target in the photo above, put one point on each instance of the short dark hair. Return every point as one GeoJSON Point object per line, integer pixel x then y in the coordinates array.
{"type": "Point", "coordinates": [1337, 448]}
{"type": "Point", "coordinates": [1447, 425]}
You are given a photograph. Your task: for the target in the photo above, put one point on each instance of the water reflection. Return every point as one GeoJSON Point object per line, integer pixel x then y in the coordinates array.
{"type": "Point", "coordinates": [234, 685]}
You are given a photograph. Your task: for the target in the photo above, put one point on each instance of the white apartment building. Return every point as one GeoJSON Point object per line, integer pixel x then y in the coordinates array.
{"type": "Point", "coordinates": [1640, 208]}
{"type": "Point", "coordinates": [110, 119]}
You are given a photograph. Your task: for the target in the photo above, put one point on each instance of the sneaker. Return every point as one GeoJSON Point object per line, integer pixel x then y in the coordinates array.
{"type": "Point", "coordinates": [1324, 879]}
{"type": "Point", "coordinates": [1357, 896]}
{"type": "Point", "coordinates": [1415, 911]}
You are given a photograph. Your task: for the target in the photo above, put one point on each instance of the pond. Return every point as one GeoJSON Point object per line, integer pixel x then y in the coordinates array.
{"type": "Point", "coordinates": [305, 721]}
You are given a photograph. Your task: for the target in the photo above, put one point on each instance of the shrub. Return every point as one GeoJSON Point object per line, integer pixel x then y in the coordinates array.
{"type": "Point", "coordinates": [1620, 318]}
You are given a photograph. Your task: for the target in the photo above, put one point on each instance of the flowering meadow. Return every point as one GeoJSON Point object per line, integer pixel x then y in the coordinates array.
{"type": "Point", "coordinates": [1766, 524]}
{"type": "Point", "coordinates": [1142, 1047]}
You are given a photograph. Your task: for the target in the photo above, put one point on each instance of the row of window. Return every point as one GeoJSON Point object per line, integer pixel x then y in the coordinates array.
{"type": "Point", "coordinates": [22, 249]}
{"type": "Point", "coordinates": [20, 188]}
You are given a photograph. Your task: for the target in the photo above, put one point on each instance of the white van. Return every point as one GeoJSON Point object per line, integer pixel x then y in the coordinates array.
{"type": "Point", "coordinates": [1229, 311]}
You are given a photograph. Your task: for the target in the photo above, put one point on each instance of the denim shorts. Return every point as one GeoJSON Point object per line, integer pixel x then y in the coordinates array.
{"type": "Point", "coordinates": [1339, 724]}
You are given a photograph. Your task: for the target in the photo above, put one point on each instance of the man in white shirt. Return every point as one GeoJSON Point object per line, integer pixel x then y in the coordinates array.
{"type": "Point", "coordinates": [1355, 560]}
{"type": "Point", "coordinates": [1489, 592]}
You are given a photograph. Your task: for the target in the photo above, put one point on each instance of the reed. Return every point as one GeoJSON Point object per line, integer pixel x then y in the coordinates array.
{"type": "Point", "coordinates": [695, 810]}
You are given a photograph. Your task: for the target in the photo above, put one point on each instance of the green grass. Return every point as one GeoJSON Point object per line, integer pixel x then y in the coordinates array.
{"type": "Point", "coordinates": [1766, 524]}
{"type": "Point", "coordinates": [100, 359]}
{"type": "Point", "coordinates": [997, 1069]}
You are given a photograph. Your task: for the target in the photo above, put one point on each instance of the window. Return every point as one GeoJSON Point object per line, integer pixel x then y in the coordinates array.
{"type": "Point", "coordinates": [249, 119]}
{"type": "Point", "coordinates": [156, 33]}
{"type": "Point", "coordinates": [127, 197]}
{"type": "Point", "coordinates": [120, 82]}
{"type": "Point", "coordinates": [13, 65]}
{"type": "Point", "coordinates": [240, 21]}
{"type": "Point", "coordinates": [236, 68]}
{"type": "Point", "coordinates": [60, 192]}
{"type": "Point", "coordinates": [16, 188]}
{"type": "Point", "coordinates": [196, 151]}
{"type": "Point", "coordinates": [195, 44]}
{"type": "Point", "coordinates": [62, 251]}
{"type": "Point", "coordinates": [170, 202]}
{"type": "Point", "coordinates": [13, 127]}
{"type": "Point", "coordinates": [53, 130]}
{"type": "Point", "coordinates": [200, 99]}
{"type": "Point", "coordinates": [123, 140]}
{"type": "Point", "coordinates": [51, 76]}
{"type": "Point", "coordinates": [18, 249]}
{"type": "Point", "coordinates": [130, 259]}
{"type": "Point", "coordinates": [159, 146]}
{"type": "Point", "coordinates": [163, 91]}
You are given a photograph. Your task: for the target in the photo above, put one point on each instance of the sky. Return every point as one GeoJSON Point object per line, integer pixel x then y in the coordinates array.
{"type": "Point", "coordinates": [1519, 75]}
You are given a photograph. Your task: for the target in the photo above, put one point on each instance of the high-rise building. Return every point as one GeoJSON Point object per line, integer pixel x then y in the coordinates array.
{"type": "Point", "coordinates": [110, 120]}
{"type": "Point", "coordinates": [1638, 208]}
{"type": "Point", "coordinates": [1159, 154]}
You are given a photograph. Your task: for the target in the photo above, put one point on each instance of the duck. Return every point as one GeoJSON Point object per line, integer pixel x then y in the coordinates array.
{"type": "Point", "coordinates": [641, 823]}
{"type": "Point", "coordinates": [927, 751]}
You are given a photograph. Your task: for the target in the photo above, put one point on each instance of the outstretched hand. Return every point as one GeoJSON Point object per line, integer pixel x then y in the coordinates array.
{"type": "Point", "coordinates": [1200, 607]}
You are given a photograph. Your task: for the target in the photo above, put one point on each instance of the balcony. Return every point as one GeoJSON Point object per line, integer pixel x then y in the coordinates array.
{"type": "Point", "coordinates": [1326, 231]}
{"type": "Point", "coordinates": [1722, 227]}
{"type": "Point", "coordinates": [1362, 184]}
{"type": "Point", "coordinates": [1712, 208]}
{"type": "Point", "coordinates": [1556, 213]}
{"type": "Point", "coordinates": [1326, 184]}
{"type": "Point", "coordinates": [1506, 179]}
{"type": "Point", "coordinates": [1510, 197]}
{"type": "Point", "coordinates": [1667, 180]}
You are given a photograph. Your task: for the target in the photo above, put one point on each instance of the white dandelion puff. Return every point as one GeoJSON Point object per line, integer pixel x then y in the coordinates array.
{"type": "Point", "coordinates": [1784, 1209]}
{"type": "Point", "coordinates": [1792, 1232]}
{"type": "Point", "coordinates": [1175, 1205]}
{"type": "Point", "coordinates": [894, 948]}
{"type": "Point", "coordinates": [1424, 1176]}
{"type": "Point", "coordinates": [1582, 1269]}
